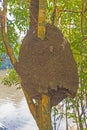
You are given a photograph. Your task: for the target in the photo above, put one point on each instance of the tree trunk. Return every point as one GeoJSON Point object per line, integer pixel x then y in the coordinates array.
{"type": "Point", "coordinates": [44, 113]}
{"type": "Point", "coordinates": [42, 19]}
{"type": "Point", "coordinates": [41, 112]}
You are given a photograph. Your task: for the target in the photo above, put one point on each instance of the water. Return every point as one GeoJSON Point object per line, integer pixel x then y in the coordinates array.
{"type": "Point", "coordinates": [14, 112]}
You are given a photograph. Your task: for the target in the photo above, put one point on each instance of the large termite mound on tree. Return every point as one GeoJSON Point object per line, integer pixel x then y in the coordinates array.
{"type": "Point", "coordinates": [47, 66]}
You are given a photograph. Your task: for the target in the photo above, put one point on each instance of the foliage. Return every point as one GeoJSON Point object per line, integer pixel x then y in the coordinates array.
{"type": "Point", "coordinates": [72, 21]}
{"type": "Point", "coordinates": [11, 78]}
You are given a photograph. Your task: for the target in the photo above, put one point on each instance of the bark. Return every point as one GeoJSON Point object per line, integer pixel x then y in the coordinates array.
{"type": "Point", "coordinates": [34, 7]}
{"type": "Point", "coordinates": [31, 104]}
{"type": "Point", "coordinates": [41, 19]}
{"type": "Point", "coordinates": [38, 17]}
{"type": "Point", "coordinates": [3, 15]}
{"type": "Point", "coordinates": [41, 111]}
{"type": "Point", "coordinates": [44, 110]}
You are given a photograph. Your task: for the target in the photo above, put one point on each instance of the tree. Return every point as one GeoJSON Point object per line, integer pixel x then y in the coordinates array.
{"type": "Point", "coordinates": [32, 106]}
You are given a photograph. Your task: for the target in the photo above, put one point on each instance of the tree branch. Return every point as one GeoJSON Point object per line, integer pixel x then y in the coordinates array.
{"type": "Point", "coordinates": [3, 21]}
{"type": "Point", "coordinates": [34, 7]}
{"type": "Point", "coordinates": [54, 13]}
{"type": "Point", "coordinates": [44, 113]}
{"type": "Point", "coordinates": [42, 19]}
{"type": "Point", "coordinates": [31, 104]}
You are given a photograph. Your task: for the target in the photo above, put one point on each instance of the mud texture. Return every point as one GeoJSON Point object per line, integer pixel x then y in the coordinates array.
{"type": "Point", "coordinates": [47, 66]}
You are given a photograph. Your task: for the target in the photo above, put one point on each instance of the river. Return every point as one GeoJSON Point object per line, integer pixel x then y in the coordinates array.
{"type": "Point", "coordinates": [14, 112]}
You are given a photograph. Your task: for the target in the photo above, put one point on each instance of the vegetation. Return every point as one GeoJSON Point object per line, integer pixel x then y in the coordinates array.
{"type": "Point", "coordinates": [71, 18]}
